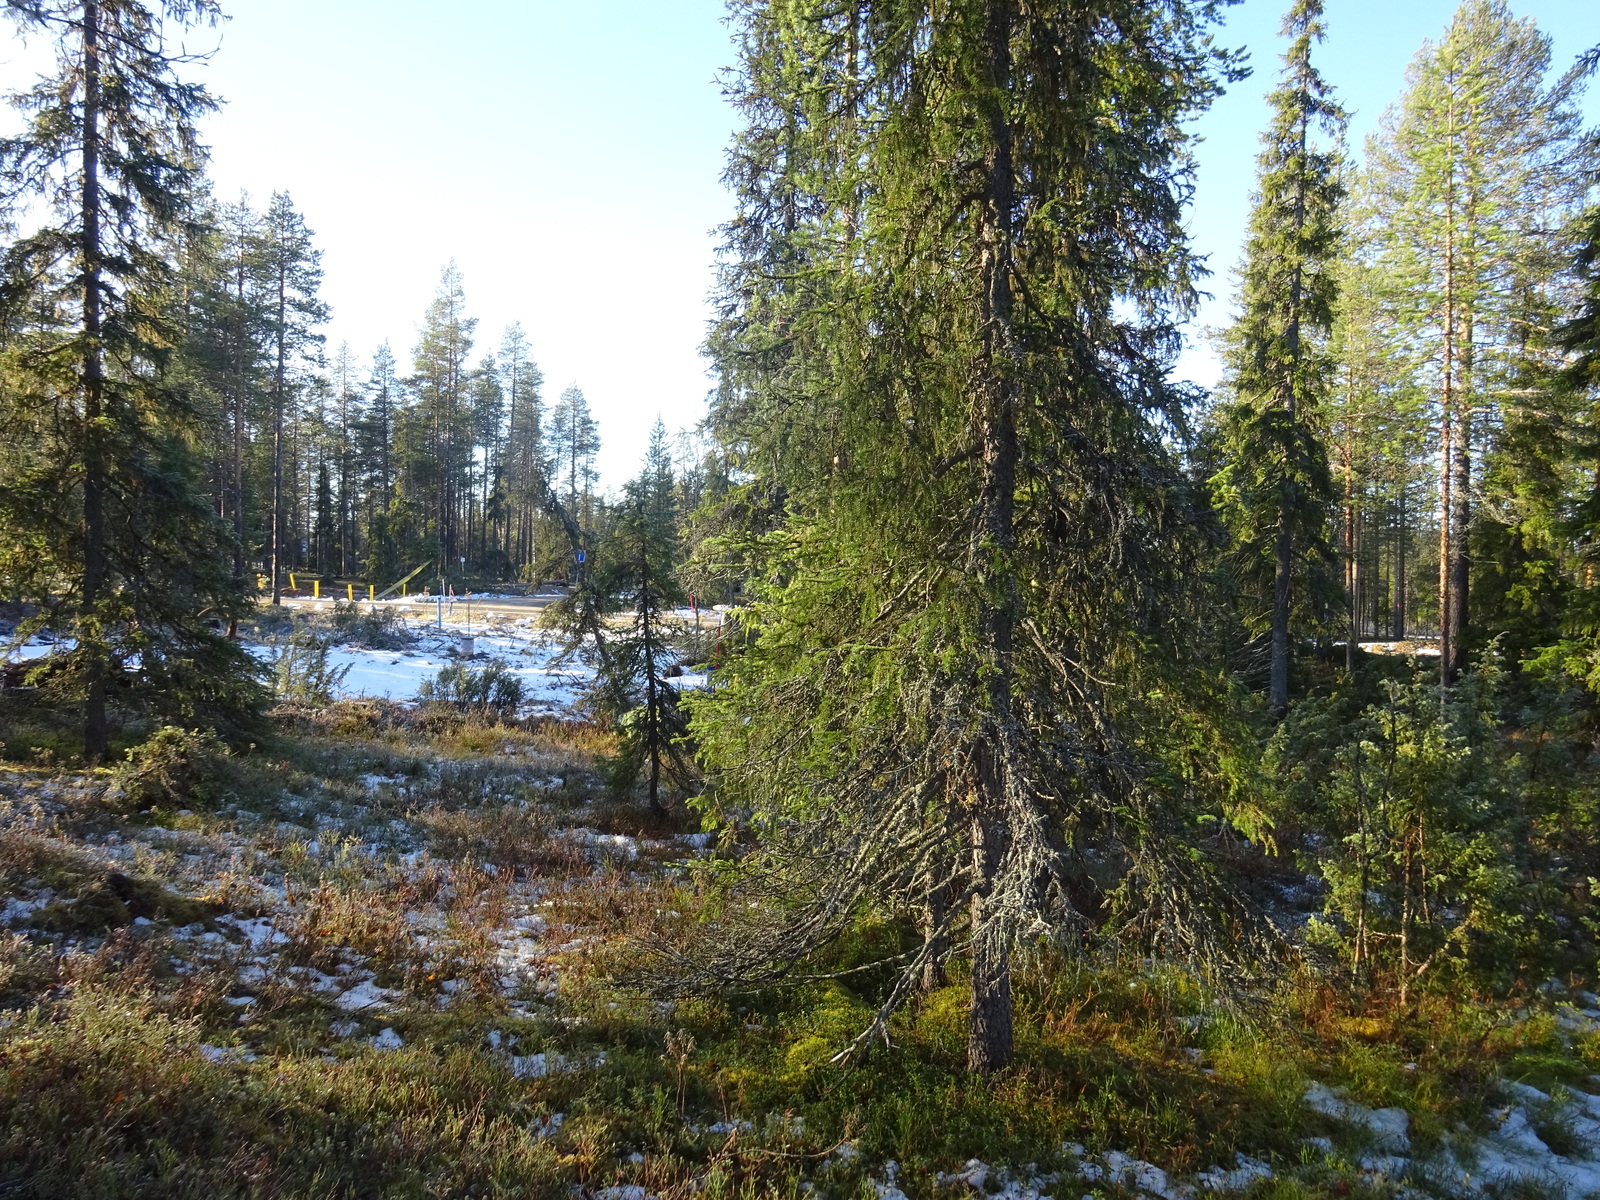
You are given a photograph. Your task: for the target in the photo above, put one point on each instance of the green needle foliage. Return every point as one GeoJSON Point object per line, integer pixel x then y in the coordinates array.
{"type": "Point", "coordinates": [102, 519]}
{"type": "Point", "coordinates": [638, 572]}
{"type": "Point", "coordinates": [949, 314]}
{"type": "Point", "coordinates": [1474, 173]}
{"type": "Point", "coordinates": [1275, 488]}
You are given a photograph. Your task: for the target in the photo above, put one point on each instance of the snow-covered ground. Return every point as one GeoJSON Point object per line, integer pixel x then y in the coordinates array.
{"type": "Point", "coordinates": [552, 683]}
{"type": "Point", "coordinates": [532, 654]}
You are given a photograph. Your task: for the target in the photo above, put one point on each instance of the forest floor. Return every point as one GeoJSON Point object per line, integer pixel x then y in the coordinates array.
{"type": "Point", "coordinates": [385, 952]}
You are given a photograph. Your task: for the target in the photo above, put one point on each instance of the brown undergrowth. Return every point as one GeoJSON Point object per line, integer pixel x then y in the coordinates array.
{"type": "Point", "coordinates": [391, 968]}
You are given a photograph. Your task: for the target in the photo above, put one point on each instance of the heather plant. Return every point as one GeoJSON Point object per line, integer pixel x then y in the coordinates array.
{"type": "Point", "coordinates": [173, 768]}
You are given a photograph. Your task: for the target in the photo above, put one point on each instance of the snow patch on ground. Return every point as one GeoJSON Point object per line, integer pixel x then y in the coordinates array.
{"type": "Point", "coordinates": [537, 1066]}
{"type": "Point", "coordinates": [1512, 1154]}
{"type": "Point", "coordinates": [551, 682]}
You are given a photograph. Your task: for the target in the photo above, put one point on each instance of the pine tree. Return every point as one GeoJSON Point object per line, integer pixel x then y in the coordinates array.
{"type": "Point", "coordinates": [224, 348]}
{"type": "Point", "coordinates": [1376, 424]}
{"type": "Point", "coordinates": [109, 502]}
{"type": "Point", "coordinates": [574, 441]}
{"type": "Point", "coordinates": [488, 418]}
{"type": "Point", "coordinates": [440, 459]}
{"type": "Point", "coordinates": [374, 447]}
{"type": "Point", "coordinates": [292, 272]}
{"type": "Point", "coordinates": [1276, 479]}
{"type": "Point", "coordinates": [951, 299]}
{"type": "Point", "coordinates": [1473, 163]}
{"type": "Point", "coordinates": [348, 401]}
{"type": "Point", "coordinates": [526, 465]}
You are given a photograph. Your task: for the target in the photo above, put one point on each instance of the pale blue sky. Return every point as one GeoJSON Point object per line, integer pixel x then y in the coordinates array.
{"type": "Point", "coordinates": [568, 157]}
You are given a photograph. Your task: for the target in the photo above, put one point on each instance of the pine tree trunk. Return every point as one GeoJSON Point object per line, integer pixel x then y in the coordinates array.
{"type": "Point", "coordinates": [1350, 551]}
{"type": "Point", "coordinates": [1402, 536]}
{"type": "Point", "coordinates": [275, 537]}
{"type": "Point", "coordinates": [94, 453]}
{"type": "Point", "coordinates": [239, 340]}
{"type": "Point", "coordinates": [1446, 476]}
{"type": "Point", "coordinates": [1461, 504]}
{"type": "Point", "coordinates": [989, 1035]}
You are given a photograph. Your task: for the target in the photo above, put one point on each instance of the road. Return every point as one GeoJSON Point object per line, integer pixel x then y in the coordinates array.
{"type": "Point", "coordinates": [418, 606]}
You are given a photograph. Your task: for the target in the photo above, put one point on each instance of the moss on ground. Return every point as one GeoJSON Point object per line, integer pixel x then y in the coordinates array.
{"type": "Point", "coordinates": [128, 1070]}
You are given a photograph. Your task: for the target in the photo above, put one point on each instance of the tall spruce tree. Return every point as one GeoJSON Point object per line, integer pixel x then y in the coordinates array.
{"type": "Point", "coordinates": [1276, 479]}
{"type": "Point", "coordinates": [950, 308]}
{"type": "Point", "coordinates": [108, 505]}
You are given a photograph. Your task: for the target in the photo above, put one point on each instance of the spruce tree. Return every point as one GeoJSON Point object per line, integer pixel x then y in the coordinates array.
{"type": "Point", "coordinates": [1276, 480]}
{"type": "Point", "coordinates": [1579, 337]}
{"type": "Point", "coordinates": [109, 504]}
{"type": "Point", "coordinates": [951, 303]}
{"type": "Point", "coordinates": [638, 573]}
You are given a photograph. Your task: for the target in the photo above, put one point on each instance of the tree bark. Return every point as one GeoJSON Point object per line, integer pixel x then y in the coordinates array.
{"type": "Point", "coordinates": [1461, 504]}
{"type": "Point", "coordinates": [1278, 685]}
{"type": "Point", "coordinates": [94, 452]}
{"type": "Point", "coordinates": [279, 378]}
{"type": "Point", "coordinates": [989, 1036]}
{"type": "Point", "coordinates": [652, 699]}
{"type": "Point", "coordinates": [1403, 533]}
{"type": "Point", "coordinates": [1348, 469]}
{"type": "Point", "coordinates": [1446, 477]}
{"type": "Point", "coordinates": [240, 338]}
{"type": "Point", "coordinates": [989, 1028]}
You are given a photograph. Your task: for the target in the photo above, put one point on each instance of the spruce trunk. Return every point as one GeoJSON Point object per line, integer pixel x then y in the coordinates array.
{"type": "Point", "coordinates": [989, 1033]}
{"type": "Point", "coordinates": [94, 454]}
